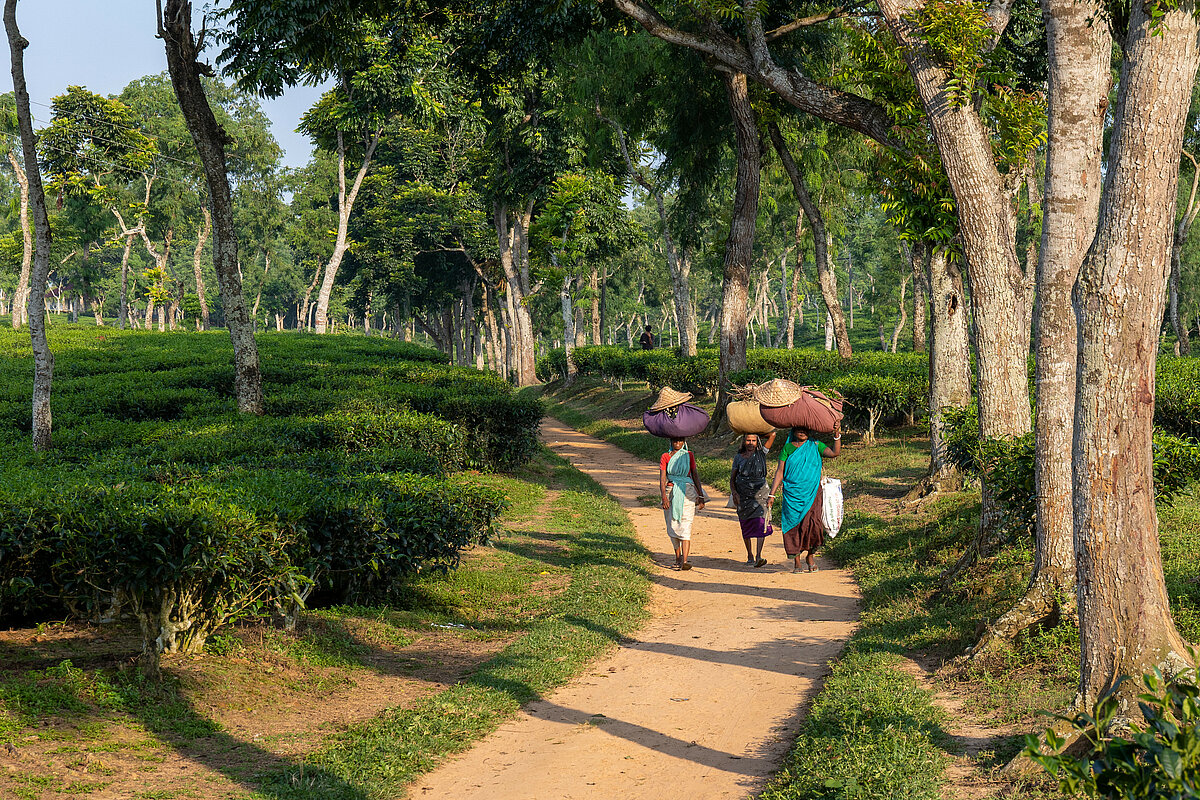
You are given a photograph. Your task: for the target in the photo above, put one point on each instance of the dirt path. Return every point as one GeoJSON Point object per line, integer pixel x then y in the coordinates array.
{"type": "Point", "coordinates": [703, 702]}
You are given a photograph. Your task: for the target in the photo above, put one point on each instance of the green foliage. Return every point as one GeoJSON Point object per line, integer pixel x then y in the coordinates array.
{"type": "Point", "coordinates": [160, 500]}
{"type": "Point", "coordinates": [1008, 464]}
{"type": "Point", "coordinates": [1158, 758]}
{"type": "Point", "coordinates": [875, 385]}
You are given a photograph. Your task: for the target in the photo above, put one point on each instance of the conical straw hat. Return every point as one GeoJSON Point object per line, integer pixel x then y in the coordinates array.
{"type": "Point", "coordinates": [777, 393]}
{"type": "Point", "coordinates": [669, 398]}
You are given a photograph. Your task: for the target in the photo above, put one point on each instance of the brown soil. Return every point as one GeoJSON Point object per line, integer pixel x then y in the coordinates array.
{"type": "Point", "coordinates": [704, 701]}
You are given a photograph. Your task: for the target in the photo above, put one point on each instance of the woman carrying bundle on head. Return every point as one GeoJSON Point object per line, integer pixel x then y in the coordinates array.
{"type": "Point", "coordinates": [799, 477]}
{"type": "Point", "coordinates": [682, 497]}
{"type": "Point", "coordinates": [748, 487]}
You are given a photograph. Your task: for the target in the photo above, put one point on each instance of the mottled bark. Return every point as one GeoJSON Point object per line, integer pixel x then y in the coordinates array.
{"type": "Point", "coordinates": [183, 52]}
{"type": "Point", "coordinates": [987, 231]}
{"type": "Point", "coordinates": [739, 246]}
{"type": "Point", "coordinates": [345, 206]}
{"type": "Point", "coordinates": [1125, 621]}
{"type": "Point", "coordinates": [21, 294]}
{"type": "Point", "coordinates": [1079, 54]}
{"type": "Point", "coordinates": [43, 359]}
{"type": "Point", "coordinates": [822, 243]}
{"type": "Point", "coordinates": [201, 238]}
{"type": "Point", "coordinates": [512, 228]}
{"type": "Point", "coordinates": [949, 363]}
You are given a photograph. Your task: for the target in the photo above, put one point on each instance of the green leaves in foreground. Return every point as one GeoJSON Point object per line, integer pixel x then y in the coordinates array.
{"type": "Point", "coordinates": [1157, 759]}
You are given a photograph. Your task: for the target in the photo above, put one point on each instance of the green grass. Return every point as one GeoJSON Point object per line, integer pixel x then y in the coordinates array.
{"type": "Point", "coordinates": [553, 592]}
{"type": "Point", "coordinates": [604, 600]}
{"type": "Point", "coordinates": [874, 731]}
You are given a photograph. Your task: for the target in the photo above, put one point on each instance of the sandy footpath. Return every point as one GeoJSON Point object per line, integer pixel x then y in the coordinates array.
{"type": "Point", "coordinates": [703, 701]}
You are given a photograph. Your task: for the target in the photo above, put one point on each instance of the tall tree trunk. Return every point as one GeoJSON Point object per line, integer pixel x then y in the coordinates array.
{"type": "Point", "coordinates": [987, 230]}
{"type": "Point", "coordinates": [202, 237]}
{"type": "Point", "coordinates": [678, 264]}
{"type": "Point", "coordinates": [1182, 345]}
{"type": "Point", "coordinates": [175, 28]}
{"type": "Point", "coordinates": [594, 285]}
{"type": "Point", "coordinates": [345, 206]}
{"type": "Point", "coordinates": [949, 365]}
{"type": "Point", "coordinates": [568, 319]}
{"type": "Point", "coordinates": [20, 296]}
{"type": "Point", "coordinates": [512, 231]}
{"type": "Point", "coordinates": [822, 243]}
{"type": "Point", "coordinates": [1125, 621]}
{"type": "Point", "coordinates": [919, 296]}
{"type": "Point", "coordinates": [43, 359]}
{"type": "Point", "coordinates": [123, 313]}
{"type": "Point", "coordinates": [903, 315]}
{"type": "Point", "coordinates": [739, 246]}
{"type": "Point", "coordinates": [795, 305]}
{"type": "Point", "coordinates": [258, 294]}
{"type": "Point", "coordinates": [1079, 54]}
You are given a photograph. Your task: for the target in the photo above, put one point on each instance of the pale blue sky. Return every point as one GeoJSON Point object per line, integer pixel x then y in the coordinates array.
{"type": "Point", "coordinates": [103, 45]}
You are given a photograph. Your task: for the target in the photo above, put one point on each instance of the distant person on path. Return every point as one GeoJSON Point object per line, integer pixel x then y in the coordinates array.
{"type": "Point", "coordinates": [799, 475]}
{"type": "Point", "coordinates": [682, 497]}
{"type": "Point", "coordinates": [647, 339]}
{"type": "Point", "coordinates": [748, 487]}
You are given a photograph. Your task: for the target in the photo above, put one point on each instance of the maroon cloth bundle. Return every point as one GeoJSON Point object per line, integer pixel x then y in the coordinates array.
{"type": "Point", "coordinates": [813, 410]}
{"type": "Point", "coordinates": [679, 422]}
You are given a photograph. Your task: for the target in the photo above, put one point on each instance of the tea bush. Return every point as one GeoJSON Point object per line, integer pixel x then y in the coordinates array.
{"type": "Point", "coordinates": [160, 501]}
{"type": "Point", "coordinates": [1157, 758]}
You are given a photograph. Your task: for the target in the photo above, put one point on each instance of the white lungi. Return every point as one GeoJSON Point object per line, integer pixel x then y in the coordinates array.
{"type": "Point", "coordinates": [681, 530]}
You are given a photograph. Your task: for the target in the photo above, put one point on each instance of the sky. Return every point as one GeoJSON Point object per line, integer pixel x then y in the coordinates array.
{"type": "Point", "coordinates": [102, 45]}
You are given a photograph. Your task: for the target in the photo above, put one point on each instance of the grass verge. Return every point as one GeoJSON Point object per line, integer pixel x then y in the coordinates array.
{"type": "Point", "coordinates": [251, 717]}
{"type": "Point", "coordinates": [604, 600]}
{"type": "Point", "coordinates": [875, 730]}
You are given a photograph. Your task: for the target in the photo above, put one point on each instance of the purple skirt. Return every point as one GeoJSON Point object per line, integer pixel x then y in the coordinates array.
{"type": "Point", "coordinates": [755, 528]}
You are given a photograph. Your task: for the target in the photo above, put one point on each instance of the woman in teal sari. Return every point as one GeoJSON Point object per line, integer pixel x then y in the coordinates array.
{"type": "Point", "coordinates": [682, 497]}
{"type": "Point", "coordinates": [799, 476]}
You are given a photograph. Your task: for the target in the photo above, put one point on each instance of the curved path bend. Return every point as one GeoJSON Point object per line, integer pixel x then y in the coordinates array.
{"type": "Point", "coordinates": [703, 702]}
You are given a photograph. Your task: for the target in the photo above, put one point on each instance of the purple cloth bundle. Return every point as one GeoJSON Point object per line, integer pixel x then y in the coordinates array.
{"type": "Point", "coordinates": [679, 422]}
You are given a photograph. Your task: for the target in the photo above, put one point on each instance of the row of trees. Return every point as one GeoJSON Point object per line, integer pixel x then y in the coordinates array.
{"type": "Point", "coordinates": [475, 165]}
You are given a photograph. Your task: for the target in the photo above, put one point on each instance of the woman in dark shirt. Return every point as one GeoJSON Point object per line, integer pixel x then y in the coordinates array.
{"type": "Point", "coordinates": [748, 487]}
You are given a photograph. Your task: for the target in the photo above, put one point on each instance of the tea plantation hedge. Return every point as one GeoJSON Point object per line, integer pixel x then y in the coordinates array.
{"type": "Point", "coordinates": [160, 501]}
{"type": "Point", "coordinates": [875, 385]}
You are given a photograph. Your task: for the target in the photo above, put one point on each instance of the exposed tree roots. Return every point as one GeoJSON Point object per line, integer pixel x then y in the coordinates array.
{"type": "Point", "coordinates": [1047, 602]}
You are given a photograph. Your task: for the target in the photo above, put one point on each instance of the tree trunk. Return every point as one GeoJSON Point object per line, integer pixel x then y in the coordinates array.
{"type": "Point", "coordinates": [987, 230]}
{"type": "Point", "coordinates": [920, 295]}
{"type": "Point", "coordinates": [678, 264]}
{"type": "Point", "coordinates": [258, 295]}
{"type": "Point", "coordinates": [175, 28]}
{"type": "Point", "coordinates": [822, 243]}
{"type": "Point", "coordinates": [201, 237]}
{"type": "Point", "coordinates": [903, 314]}
{"type": "Point", "coordinates": [949, 365]}
{"type": "Point", "coordinates": [512, 233]}
{"type": "Point", "coordinates": [345, 206]}
{"type": "Point", "coordinates": [20, 296]}
{"type": "Point", "coordinates": [43, 359]}
{"type": "Point", "coordinates": [739, 246]}
{"type": "Point", "coordinates": [1182, 345]}
{"type": "Point", "coordinates": [1125, 620]}
{"type": "Point", "coordinates": [568, 319]}
{"type": "Point", "coordinates": [1079, 55]}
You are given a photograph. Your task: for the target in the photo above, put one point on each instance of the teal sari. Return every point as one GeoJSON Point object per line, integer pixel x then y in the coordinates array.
{"type": "Point", "coordinates": [801, 480]}
{"type": "Point", "coordinates": [679, 474]}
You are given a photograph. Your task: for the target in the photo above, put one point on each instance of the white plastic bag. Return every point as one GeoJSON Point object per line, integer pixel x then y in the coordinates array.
{"type": "Point", "coordinates": [831, 511]}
